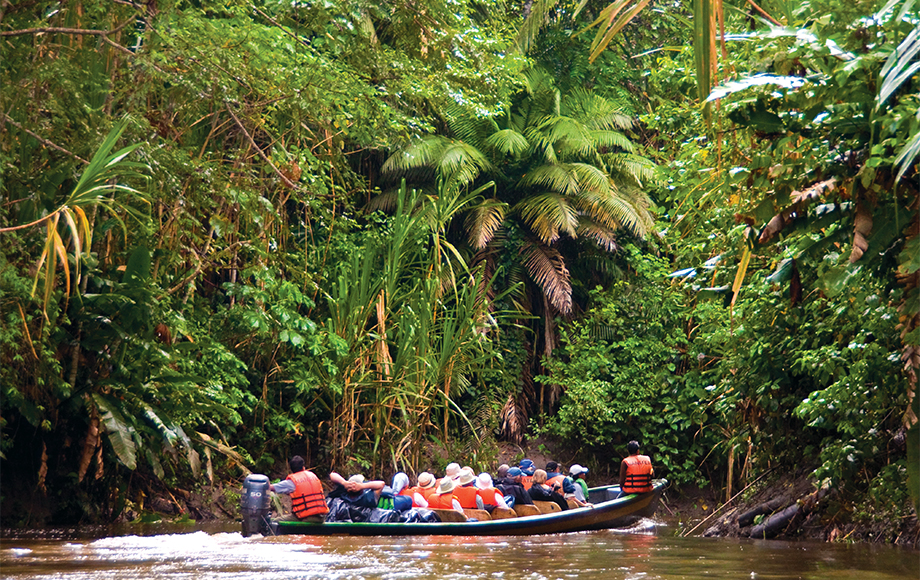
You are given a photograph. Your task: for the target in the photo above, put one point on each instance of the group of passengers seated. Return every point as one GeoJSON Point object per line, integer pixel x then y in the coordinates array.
{"type": "Point", "coordinates": [357, 499]}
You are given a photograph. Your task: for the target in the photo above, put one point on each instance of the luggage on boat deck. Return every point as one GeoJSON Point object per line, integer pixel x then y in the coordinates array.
{"type": "Point", "coordinates": [547, 507]}
{"type": "Point", "coordinates": [382, 516]}
{"type": "Point", "coordinates": [525, 510]}
{"type": "Point", "coordinates": [255, 505]}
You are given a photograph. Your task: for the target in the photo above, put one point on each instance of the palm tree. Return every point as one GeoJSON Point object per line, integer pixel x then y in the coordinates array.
{"type": "Point", "coordinates": [567, 182]}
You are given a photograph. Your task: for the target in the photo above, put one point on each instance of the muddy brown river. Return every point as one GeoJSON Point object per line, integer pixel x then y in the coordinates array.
{"type": "Point", "coordinates": [647, 552]}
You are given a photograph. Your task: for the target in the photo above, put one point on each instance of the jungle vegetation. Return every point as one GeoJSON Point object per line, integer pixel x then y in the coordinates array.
{"type": "Point", "coordinates": [378, 233]}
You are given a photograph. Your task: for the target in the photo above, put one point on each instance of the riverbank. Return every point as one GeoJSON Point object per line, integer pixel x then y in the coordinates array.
{"type": "Point", "coordinates": [774, 506]}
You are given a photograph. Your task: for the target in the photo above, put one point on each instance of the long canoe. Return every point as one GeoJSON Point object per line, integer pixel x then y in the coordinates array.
{"type": "Point", "coordinates": [606, 513]}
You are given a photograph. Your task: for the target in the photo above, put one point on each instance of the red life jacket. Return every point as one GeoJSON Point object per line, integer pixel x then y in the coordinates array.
{"type": "Point", "coordinates": [466, 495]}
{"type": "Point", "coordinates": [638, 474]}
{"type": "Point", "coordinates": [489, 496]}
{"type": "Point", "coordinates": [307, 499]}
{"type": "Point", "coordinates": [444, 501]}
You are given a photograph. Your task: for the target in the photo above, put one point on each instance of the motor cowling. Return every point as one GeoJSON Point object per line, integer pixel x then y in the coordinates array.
{"type": "Point", "coordinates": [255, 505]}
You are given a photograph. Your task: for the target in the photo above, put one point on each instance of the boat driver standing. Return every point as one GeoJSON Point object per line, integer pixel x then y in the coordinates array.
{"type": "Point", "coordinates": [308, 503]}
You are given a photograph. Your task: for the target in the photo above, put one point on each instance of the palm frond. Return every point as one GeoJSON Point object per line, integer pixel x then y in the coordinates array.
{"type": "Point", "coordinates": [548, 270]}
{"type": "Point", "coordinates": [640, 170]}
{"type": "Point", "coordinates": [604, 237]}
{"type": "Point", "coordinates": [533, 22]}
{"type": "Point", "coordinates": [483, 221]}
{"type": "Point", "coordinates": [419, 154]}
{"type": "Point", "coordinates": [507, 142]}
{"type": "Point", "coordinates": [616, 210]}
{"type": "Point", "coordinates": [612, 139]}
{"type": "Point", "coordinates": [595, 111]}
{"type": "Point", "coordinates": [547, 214]}
{"type": "Point", "coordinates": [567, 178]}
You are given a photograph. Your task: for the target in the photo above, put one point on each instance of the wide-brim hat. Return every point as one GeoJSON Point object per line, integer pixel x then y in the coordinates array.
{"type": "Point", "coordinates": [425, 480]}
{"type": "Point", "coordinates": [447, 486]}
{"type": "Point", "coordinates": [578, 469]}
{"type": "Point", "coordinates": [452, 470]}
{"type": "Point", "coordinates": [466, 477]}
{"type": "Point", "coordinates": [485, 480]}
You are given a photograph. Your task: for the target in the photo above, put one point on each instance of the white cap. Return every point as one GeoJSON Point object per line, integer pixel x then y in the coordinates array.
{"type": "Point", "coordinates": [577, 469]}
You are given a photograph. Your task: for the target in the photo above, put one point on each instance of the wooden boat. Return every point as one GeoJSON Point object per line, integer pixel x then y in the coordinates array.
{"type": "Point", "coordinates": [606, 513]}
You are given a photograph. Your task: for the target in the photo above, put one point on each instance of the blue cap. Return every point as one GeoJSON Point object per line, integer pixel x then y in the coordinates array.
{"type": "Point", "coordinates": [514, 472]}
{"type": "Point", "coordinates": [526, 464]}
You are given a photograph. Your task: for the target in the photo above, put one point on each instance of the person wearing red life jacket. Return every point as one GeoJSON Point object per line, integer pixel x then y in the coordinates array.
{"type": "Point", "coordinates": [308, 503]}
{"type": "Point", "coordinates": [636, 471]}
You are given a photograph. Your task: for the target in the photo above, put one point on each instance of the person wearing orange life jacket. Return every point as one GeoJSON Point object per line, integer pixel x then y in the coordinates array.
{"type": "Point", "coordinates": [445, 498]}
{"type": "Point", "coordinates": [466, 492]}
{"type": "Point", "coordinates": [636, 471]}
{"type": "Point", "coordinates": [491, 497]}
{"type": "Point", "coordinates": [308, 503]}
{"type": "Point", "coordinates": [555, 477]}
{"type": "Point", "coordinates": [527, 469]}
{"type": "Point", "coordinates": [426, 485]}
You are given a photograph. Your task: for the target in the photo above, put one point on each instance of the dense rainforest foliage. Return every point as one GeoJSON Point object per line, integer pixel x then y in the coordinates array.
{"type": "Point", "coordinates": [379, 234]}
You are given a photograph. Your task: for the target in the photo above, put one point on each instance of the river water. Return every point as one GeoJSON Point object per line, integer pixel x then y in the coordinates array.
{"type": "Point", "coordinates": [647, 552]}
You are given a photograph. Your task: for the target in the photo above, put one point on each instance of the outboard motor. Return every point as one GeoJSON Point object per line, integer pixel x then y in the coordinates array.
{"type": "Point", "coordinates": [255, 505]}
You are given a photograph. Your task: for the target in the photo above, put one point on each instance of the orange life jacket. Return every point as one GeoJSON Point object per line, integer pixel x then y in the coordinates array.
{"type": "Point", "coordinates": [466, 495]}
{"type": "Point", "coordinates": [307, 499]}
{"type": "Point", "coordinates": [526, 481]}
{"type": "Point", "coordinates": [489, 496]}
{"type": "Point", "coordinates": [442, 502]}
{"type": "Point", "coordinates": [555, 481]}
{"type": "Point", "coordinates": [427, 492]}
{"type": "Point", "coordinates": [638, 474]}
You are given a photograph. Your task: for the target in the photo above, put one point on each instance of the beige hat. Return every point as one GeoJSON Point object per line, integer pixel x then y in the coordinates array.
{"type": "Point", "coordinates": [452, 470]}
{"type": "Point", "coordinates": [356, 478]}
{"type": "Point", "coordinates": [425, 480]}
{"type": "Point", "coordinates": [466, 477]}
{"type": "Point", "coordinates": [485, 480]}
{"type": "Point", "coordinates": [447, 486]}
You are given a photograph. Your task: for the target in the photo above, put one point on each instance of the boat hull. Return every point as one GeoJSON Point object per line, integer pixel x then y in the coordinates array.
{"type": "Point", "coordinates": [617, 513]}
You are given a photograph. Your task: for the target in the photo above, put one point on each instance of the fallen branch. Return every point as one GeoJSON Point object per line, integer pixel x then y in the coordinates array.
{"type": "Point", "coordinates": [694, 528]}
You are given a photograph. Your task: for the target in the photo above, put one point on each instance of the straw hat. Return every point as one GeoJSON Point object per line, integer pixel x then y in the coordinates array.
{"type": "Point", "coordinates": [447, 486]}
{"type": "Point", "coordinates": [425, 480]}
{"type": "Point", "coordinates": [466, 477]}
